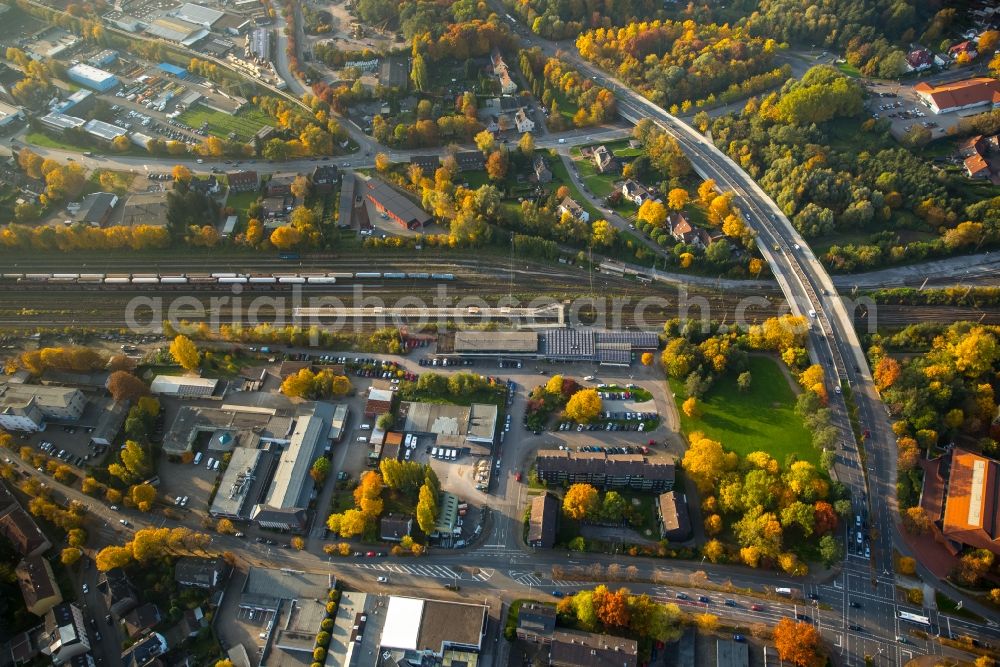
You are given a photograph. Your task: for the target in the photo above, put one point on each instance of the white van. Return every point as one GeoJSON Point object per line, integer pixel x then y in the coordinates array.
{"type": "Point", "coordinates": [454, 454]}
{"type": "Point", "coordinates": [434, 452]}
{"type": "Point", "coordinates": [362, 438]}
{"type": "Point", "coordinates": [366, 427]}
{"type": "Point", "coordinates": [197, 458]}
{"type": "Point", "coordinates": [208, 466]}
{"type": "Point", "coordinates": [215, 466]}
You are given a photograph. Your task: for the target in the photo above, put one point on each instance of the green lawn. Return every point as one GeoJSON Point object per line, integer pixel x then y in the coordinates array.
{"type": "Point", "coordinates": [245, 124]}
{"type": "Point", "coordinates": [241, 202]}
{"type": "Point", "coordinates": [849, 70]}
{"type": "Point", "coordinates": [561, 177]}
{"type": "Point", "coordinates": [600, 184]}
{"type": "Point", "coordinates": [762, 419]}
{"type": "Point", "coordinates": [46, 141]}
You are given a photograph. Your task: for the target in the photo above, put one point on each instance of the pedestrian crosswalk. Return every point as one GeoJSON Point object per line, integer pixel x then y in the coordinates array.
{"type": "Point", "coordinates": [533, 579]}
{"type": "Point", "coordinates": [430, 571]}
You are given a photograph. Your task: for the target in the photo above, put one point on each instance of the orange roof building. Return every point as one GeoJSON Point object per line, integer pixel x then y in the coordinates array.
{"type": "Point", "coordinates": [959, 95]}
{"type": "Point", "coordinates": [967, 513]}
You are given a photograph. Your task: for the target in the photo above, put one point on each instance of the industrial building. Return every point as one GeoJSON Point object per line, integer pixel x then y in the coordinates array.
{"type": "Point", "coordinates": [60, 122]}
{"type": "Point", "coordinates": [198, 15]}
{"type": "Point", "coordinates": [415, 628]}
{"type": "Point", "coordinates": [9, 115]}
{"type": "Point", "coordinates": [959, 95]}
{"type": "Point", "coordinates": [461, 426]}
{"type": "Point", "coordinates": [96, 208]}
{"type": "Point", "coordinates": [177, 30]}
{"type": "Point", "coordinates": [79, 103]}
{"type": "Point", "coordinates": [104, 132]}
{"type": "Point", "coordinates": [26, 407]}
{"type": "Point", "coordinates": [92, 77]}
{"type": "Point", "coordinates": [200, 572]}
{"type": "Point", "coordinates": [294, 601]}
{"type": "Point", "coordinates": [395, 205]}
{"type": "Point", "coordinates": [287, 500]}
{"type": "Point", "coordinates": [145, 208]}
{"type": "Point", "coordinates": [242, 484]}
{"type": "Point", "coordinates": [233, 427]}
{"type": "Point", "coordinates": [607, 348]}
{"type": "Point", "coordinates": [183, 386]}
{"type": "Point", "coordinates": [603, 470]}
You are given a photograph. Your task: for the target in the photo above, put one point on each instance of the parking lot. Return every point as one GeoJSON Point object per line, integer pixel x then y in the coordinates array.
{"type": "Point", "coordinates": [901, 106]}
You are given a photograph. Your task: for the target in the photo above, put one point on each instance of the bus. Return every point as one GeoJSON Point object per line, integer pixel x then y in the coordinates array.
{"type": "Point", "coordinates": [914, 618]}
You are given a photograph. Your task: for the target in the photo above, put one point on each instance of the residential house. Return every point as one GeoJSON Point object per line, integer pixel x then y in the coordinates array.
{"type": "Point", "coordinates": [38, 585]}
{"type": "Point", "coordinates": [146, 652]}
{"type": "Point", "coordinates": [277, 207]}
{"type": "Point", "coordinates": [507, 85]}
{"type": "Point", "coordinates": [571, 648]}
{"type": "Point", "coordinates": [542, 173]}
{"type": "Point", "coordinates": [505, 122]}
{"type": "Point", "coordinates": [604, 161]}
{"type": "Point", "coordinates": [208, 186]}
{"type": "Point", "coordinates": [573, 208]}
{"type": "Point", "coordinates": [976, 145]}
{"type": "Point", "coordinates": [324, 178]}
{"type": "Point", "coordinates": [672, 511]}
{"type": "Point", "coordinates": [635, 192]}
{"type": "Point", "coordinates": [243, 181]}
{"type": "Point", "coordinates": [600, 469]}
{"type": "Point", "coordinates": [64, 634]}
{"type": "Point", "coordinates": [470, 160]}
{"type": "Point", "coordinates": [119, 596]}
{"type": "Point", "coordinates": [965, 48]}
{"type": "Point", "coordinates": [536, 622]}
{"type": "Point", "coordinates": [394, 527]}
{"type": "Point", "coordinates": [522, 122]}
{"type": "Point", "coordinates": [427, 163]}
{"type": "Point", "coordinates": [919, 59]}
{"type": "Point", "coordinates": [682, 230]}
{"type": "Point", "coordinates": [492, 124]}
{"type": "Point", "coordinates": [542, 523]}
{"type": "Point", "coordinates": [22, 532]}
{"type": "Point", "coordinates": [200, 572]}
{"type": "Point", "coordinates": [977, 167]}
{"type": "Point", "coordinates": [192, 622]}
{"type": "Point", "coordinates": [280, 185]}
{"type": "Point", "coordinates": [140, 619]}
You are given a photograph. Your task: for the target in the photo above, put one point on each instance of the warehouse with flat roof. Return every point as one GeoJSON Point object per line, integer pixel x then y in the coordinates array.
{"type": "Point", "coordinates": [433, 627]}
{"type": "Point", "coordinates": [183, 385]}
{"type": "Point", "coordinates": [291, 489]}
{"type": "Point", "coordinates": [92, 77]}
{"type": "Point", "coordinates": [177, 30]}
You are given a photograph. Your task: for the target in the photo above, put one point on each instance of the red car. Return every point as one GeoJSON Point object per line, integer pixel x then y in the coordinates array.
{"type": "Point", "coordinates": [518, 476]}
{"type": "Point", "coordinates": [756, 607]}
{"type": "Point", "coordinates": [371, 554]}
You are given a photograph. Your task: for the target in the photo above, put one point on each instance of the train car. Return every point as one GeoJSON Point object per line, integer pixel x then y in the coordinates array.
{"type": "Point", "coordinates": [66, 276]}
{"type": "Point", "coordinates": [62, 280]}
{"type": "Point", "coordinates": [233, 280]}
{"type": "Point", "coordinates": [145, 279]}
{"type": "Point", "coordinates": [368, 275]}
{"type": "Point", "coordinates": [264, 280]}
{"type": "Point", "coordinates": [117, 279]}
{"type": "Point", "coordinates": [341, 276]}
{"type": "Point", "coordinates": [91, 277]}
{"type": "Point", "coordinates": [394, 276]}
{"type": "Point", "coordinates": [223, 275]}
{"type": "Point", "coordinates": [443, 276]}
{"type": "Point", "coordinates": [36, 278]}
{"type": "Point", "coordinates": [292, 279]}
{"type": "Point", "coordinates": [201, 279]}
{"type": "Point", "coordinates": [418, 276]}
{"type": "Point", "coordinates": [321, 280]}
{"type": "Point", "coordinates": [13, 276]}
{"type": "Point", "coordinates": [173, 280]}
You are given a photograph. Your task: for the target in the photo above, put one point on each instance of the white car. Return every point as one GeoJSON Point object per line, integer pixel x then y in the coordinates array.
{"type": "Point", "coordinates": [382, 580]}
{"type": "Point", "coordinates": [85, 589]}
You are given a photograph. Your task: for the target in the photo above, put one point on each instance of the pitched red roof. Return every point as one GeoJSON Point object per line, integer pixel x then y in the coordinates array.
{"type": "Point", "coordinates": [961, 93]}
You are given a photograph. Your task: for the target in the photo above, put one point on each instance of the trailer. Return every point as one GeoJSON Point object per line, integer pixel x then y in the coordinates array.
{"type": "Point", "coordinates": [418, 276]}
{"type": "Point", "coordinates": [233, 280]}
{"type": "Point", "coordinates": [201, 278]}
{"type": "Point", "coordinates": [91, 277]}
{"type": "Point", "coordinates": [223, 275]}
{"type": "Point", "coordinates": [394, 276]}
{"type": "Point", "coordinates": [145, 279]}
{"type": "Point", "coordinates": [117, 280]}
{"type": "Point", "coordinates": [35, 278]}
{"type": "Point", "coordinates": [341, 276]}
{"type": "Point", "coordinates": [443, 276]}
{"type": "Point", "coordinates": [65, 276]}
{"type": "Point", "coordinates": [173, 280]}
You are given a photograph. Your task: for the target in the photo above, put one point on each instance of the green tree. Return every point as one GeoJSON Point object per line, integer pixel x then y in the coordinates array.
{"type": "Point", "coordinates": [320, 469]}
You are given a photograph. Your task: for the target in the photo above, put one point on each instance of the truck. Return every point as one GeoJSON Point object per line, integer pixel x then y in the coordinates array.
{"type": "Point", "coordinates": [783, 591]}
